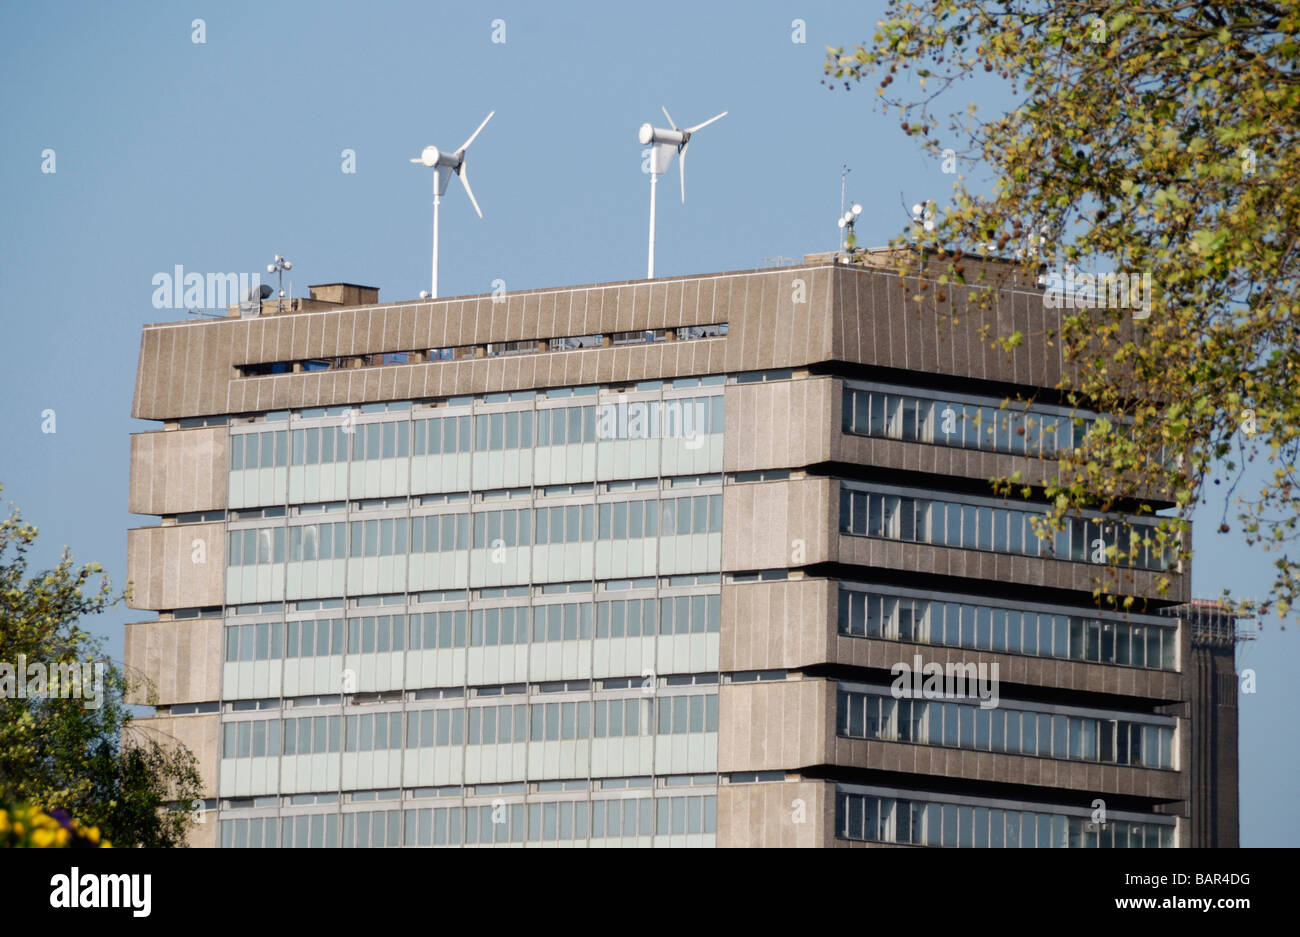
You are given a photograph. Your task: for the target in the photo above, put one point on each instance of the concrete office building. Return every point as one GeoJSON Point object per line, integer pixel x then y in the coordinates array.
{"type": "Point", "coordinates": [1211, 674]}
{"type": "Point", "coordinates": [629, 564]}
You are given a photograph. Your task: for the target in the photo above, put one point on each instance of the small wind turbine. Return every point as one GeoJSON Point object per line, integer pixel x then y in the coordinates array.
{"type": "Point", "coordinates": [666, 144]}
{"type": "Point", "coordinates": [443, 165]}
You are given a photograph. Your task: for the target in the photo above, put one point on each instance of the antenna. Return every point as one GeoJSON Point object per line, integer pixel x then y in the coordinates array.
{"type": "Point", "coordinates": [844, 174]}
{"type": "Point", "coordinates": [923, 216]}
{"type": "Point", "coordinates": [846, 225]}
{"type": "Point", "coordinates": [278, 267]}
{"type": "Point", "coordinates": [443, 165]}
{"type": "Point", "coordinates": [251, 304]}
{"type": "Point", "coordinates": [666, 144]}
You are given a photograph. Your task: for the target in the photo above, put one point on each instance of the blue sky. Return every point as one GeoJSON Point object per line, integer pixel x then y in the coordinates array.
{"type": "Point", "coordinates": [218, 155]}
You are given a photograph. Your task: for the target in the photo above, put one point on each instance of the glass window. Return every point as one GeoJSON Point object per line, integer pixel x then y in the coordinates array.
{"type": "Point", "coordinates": [967, 719]}
{"type": "Point", "coordinates": [668, 525]}
{"type": "Point", "coordinates": [1029, 733]}
{"type": "Point", "coordinates": [983, 627]}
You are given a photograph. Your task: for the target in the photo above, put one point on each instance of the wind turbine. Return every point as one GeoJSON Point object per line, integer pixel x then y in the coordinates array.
{"type": "Point", "coordinates": [666, 144]}
{"type": "Point", "coordinates": [443, 165]}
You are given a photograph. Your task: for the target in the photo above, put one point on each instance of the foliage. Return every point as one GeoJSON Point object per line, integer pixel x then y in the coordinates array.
{"type": "Point", "coordinates": [26, 827]}
{"type": "Point", "coordinates": [1145, 138]}
{"type": "Point", "coordinates": [63, 752]}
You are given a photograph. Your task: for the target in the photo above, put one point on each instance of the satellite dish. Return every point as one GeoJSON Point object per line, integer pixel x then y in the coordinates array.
{"type": "Point", "coordinates": [666, 144]}
{"type": "Point", "coordinates": [258, 293]}
{"type": "Point", "coordinates": [443, 164]}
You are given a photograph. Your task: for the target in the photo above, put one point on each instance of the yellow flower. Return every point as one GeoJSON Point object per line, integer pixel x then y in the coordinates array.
{"type": "Point", "coordinates": [42, 839]}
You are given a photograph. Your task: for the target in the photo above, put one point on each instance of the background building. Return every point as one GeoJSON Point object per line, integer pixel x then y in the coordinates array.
{"type": "Point", "coordinates": [630, 564]}
{"type": "Point", "coordinates": [1211, 675]}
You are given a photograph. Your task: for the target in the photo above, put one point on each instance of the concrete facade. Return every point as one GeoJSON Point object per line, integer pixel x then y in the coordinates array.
{"type": "Point", "coordinates": [677, 650]}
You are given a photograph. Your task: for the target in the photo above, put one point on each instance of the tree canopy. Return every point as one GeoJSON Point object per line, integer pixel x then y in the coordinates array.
{"type": "Point", "coordinates": [1151, 139]}
{"type": "Point", "coordinates": [75, 750]}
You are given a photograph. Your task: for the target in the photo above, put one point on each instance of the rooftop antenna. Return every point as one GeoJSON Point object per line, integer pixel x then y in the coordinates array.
{"type": "Point", "coordinates": [666, 144]}
{"type": "Point", "coordinates": [923, 216]}
{"type": "Point", "coordinates": [251, 304]}
{"type": "Point", "coordinates": [844, 172]}
{"type": "Point", "coordinates": [443, 165]}
{"type": "Point", "coordinates": [847, 220]}
{"type": "Point", "coordinates": [278, 269]}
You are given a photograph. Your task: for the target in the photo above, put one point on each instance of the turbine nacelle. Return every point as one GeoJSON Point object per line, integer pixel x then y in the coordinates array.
{"type": "Point", "coordinates": [650, 134]}
{"type": "Point", "coordinates": [432, 156]}
{"type": "Point", "coordinates": [441, 161]}
{"type": "Point", "coordinates": [667, 143]}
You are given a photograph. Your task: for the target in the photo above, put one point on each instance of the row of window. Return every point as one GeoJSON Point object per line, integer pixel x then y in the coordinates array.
{"type": "Point", "coordinates": [1010, 731]}
{"type": "Point", "coordinates": [968, 426]}
{"type": "Point", "coordinates": [490, 627]}
{"type": "Point", "coordinates": [959, 624]}
{"type": "Point", "coordinates": [492, 432]}
{"type": "Point", "coordinates": [481, 824]}
{"type": "Point", "coordinates": [1003, 530]}
{"type": "Point", "coordinates": [477, 725]}
{"type": "Point", "coordinates": [929, 823]}
{"type": "Point", "coordinates": [681, 417]}
{"type": "Point", "coordinates": [496, 349]}
{"type": "Point", "coordinates": [435, 533]}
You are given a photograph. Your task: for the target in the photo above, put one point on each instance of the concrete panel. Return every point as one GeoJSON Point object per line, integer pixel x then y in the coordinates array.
{"type": "Point", "coordinates": [200, 734]}
{"type": "Point", "coordinates": [164, 569]}
{"type": "Point", "coordinates": [178, 472]}
{"type": "Point", "coordinates": [776, 815]}
{"type": "Point", "coordinates": [777, 525]}
{"type": "Point", "coordinates": [174, 661]}
{"type": "Point", "coordinates": [777, 725]}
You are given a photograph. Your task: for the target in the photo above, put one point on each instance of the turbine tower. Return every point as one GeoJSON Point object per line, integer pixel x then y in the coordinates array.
{"type": "Point", "coordinates": [666, 144]}
{"type": "Point", "coordinates": [443, 165]}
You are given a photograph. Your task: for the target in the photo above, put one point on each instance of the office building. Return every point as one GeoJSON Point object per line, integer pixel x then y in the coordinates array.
{"type": "Point", "coordinates": [631, 564]}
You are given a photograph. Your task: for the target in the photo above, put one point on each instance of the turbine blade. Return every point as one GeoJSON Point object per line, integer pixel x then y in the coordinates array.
{"type": "Point", "coordinates": [681, 168]}
{"type": "Point", "coordinates": [670, 118]}
{"type": "Point", "coordinates": [464, 180]}
{"type": "Point", "coordinates": [464, 146]}
{"type": "Point", "coordinates": [705, 124]}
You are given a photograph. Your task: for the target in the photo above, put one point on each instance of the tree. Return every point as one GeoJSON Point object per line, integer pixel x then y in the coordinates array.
{"type": "Point", "coordinates": [72, 748]}
{"type": "Point", "coordinates": [1154, 138]}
